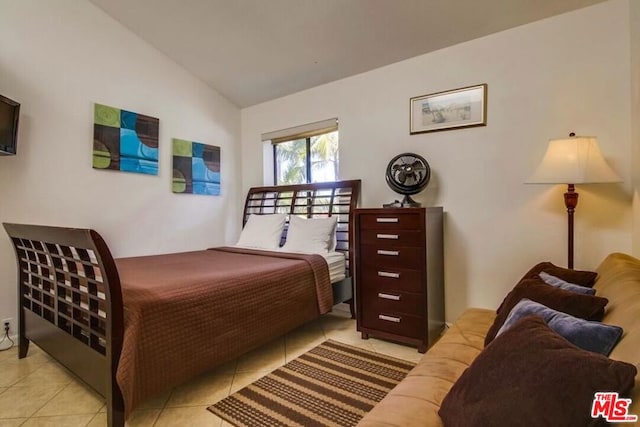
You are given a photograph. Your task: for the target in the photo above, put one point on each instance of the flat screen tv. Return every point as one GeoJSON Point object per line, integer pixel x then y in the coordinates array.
{"type": "Point", "coordinates": [9, 114]}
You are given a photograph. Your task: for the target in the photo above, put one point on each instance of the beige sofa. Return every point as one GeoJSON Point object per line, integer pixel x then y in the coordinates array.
{"type": "Point", "coordinates": [416, 400]}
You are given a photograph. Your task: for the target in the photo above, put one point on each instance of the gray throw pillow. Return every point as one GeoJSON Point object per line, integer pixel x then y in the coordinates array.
{"type": "Point", "coordinates": [563, 284]}
{"type": "Point", "coordinates": [591, 336]}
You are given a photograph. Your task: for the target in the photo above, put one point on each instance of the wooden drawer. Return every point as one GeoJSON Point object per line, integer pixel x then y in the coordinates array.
{"type": "Point", "coordinates": [393, 302]}
{"type": "Point", "coordinates": [400, 324]}
{"type": "Point", "coordinates": [392, 257]}
{"type": "Point", "coordinates": [398, 279]}
{"type": "Point", "coordinates": [391, 221]}
{"type": "Point", "coordinates": [392, 238]}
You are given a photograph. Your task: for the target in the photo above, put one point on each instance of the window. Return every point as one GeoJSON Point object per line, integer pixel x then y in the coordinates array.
{"type": "Point", "coordinates": [305, 154]}
{"type": "Point", "coordinates": [310, 159]}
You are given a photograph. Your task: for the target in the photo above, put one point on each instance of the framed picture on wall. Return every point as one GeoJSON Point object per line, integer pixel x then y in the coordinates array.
{"type": "Point", "coordinates": [452, 109]}
{"type": "Point", "coordinates": [196, 168]}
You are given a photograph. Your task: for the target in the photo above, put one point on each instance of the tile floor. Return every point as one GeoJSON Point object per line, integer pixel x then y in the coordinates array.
{"type": "Point", "coordinates": [37, 391]}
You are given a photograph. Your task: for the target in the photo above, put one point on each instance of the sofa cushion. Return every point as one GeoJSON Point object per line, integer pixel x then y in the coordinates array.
{"type": "Point", "coordinates": [583, 306]}
{"type": "Point", "coordinates": [591, 336]}
{"type": "Point", "coordinates": [531, 360]}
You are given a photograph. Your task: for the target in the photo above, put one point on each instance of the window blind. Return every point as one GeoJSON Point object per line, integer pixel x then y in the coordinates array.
{"type": "Point", "coordinates": [302, 131]}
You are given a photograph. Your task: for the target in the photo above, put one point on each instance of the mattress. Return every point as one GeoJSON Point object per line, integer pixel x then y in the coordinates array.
{"type": "Point", "coordinates": [336, 263]}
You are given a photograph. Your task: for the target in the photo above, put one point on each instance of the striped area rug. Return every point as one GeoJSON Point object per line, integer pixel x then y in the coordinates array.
{"type": "Point", "coordinates": [332, 385]}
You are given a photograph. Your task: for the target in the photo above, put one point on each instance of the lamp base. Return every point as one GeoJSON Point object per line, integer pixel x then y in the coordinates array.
{"type": "Point", "coordinates": [570, 201]}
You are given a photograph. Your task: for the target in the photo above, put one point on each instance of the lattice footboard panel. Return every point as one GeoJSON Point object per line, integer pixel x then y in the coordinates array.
{"type": "Point", "coordinates": [64, 285]}
{"type": "Point", "coordinates": [67, 277]}
{"type": "Point", "coordinates": [70, 304]}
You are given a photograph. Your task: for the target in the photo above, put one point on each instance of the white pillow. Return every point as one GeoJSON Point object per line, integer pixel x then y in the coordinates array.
{"type": "Point", "coordinates": [313, 235]}
{"type": "Point", "coordinates": [262, 231]}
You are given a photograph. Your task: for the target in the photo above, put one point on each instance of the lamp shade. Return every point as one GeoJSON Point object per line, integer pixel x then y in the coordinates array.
{"type": "Point", "coordinates": [575, 160]}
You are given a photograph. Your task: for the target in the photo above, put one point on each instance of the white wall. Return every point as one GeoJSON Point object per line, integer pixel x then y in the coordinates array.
{"type": "Point", "coordinates": [57, 59]}
{"type": "Point", "coordinates": [546, 79]}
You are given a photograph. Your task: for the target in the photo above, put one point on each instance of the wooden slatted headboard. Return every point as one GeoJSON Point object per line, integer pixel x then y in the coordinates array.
{"type": "Point", "coordinates": [317, 200]}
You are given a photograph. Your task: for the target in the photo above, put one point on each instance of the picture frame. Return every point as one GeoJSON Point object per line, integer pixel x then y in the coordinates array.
{"type": "Point", "coordinates": [451, 109]}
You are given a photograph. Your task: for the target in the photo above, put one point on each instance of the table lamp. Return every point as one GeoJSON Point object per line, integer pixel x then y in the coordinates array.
{"type": "Point", "coordinates": [574, 160]}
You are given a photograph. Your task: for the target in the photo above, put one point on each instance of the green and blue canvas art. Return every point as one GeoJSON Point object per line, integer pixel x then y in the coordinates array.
{"type": "Point", "coordinates": [125, 141]}
{"type": "Point", "coordinates": [196, 168]}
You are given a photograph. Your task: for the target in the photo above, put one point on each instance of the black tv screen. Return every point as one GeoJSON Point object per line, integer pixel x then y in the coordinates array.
{"type": "Point", "coordinates": [9, 114]}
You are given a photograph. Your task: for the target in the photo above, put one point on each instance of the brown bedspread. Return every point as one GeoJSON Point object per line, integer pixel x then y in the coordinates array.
{"type": "Point", "coordinates": [186, 313]}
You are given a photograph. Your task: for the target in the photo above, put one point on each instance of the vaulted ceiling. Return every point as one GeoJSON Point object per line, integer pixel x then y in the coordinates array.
{"type": "Point", "coordinates": [253, 51]}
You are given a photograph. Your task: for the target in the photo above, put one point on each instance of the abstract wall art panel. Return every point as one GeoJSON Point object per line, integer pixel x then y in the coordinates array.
{"type": "Point", "coordinates": [125, 141]}
{"type": "Point", "coordinates": [196, 168]}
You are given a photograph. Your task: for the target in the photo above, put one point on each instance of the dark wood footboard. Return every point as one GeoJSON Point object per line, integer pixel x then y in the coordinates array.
{"type": "Point", "coordinates": [70, 304]}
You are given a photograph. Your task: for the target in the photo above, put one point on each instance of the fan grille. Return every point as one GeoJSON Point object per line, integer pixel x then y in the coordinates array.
{"type": "Point", "coordinates": [408, 173]}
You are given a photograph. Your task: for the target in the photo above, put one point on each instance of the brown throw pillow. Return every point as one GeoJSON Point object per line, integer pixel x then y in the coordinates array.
{"type": "Point", "coordinates": [583, 306]}
{"type": "Point", "coordinates": [531, 376]}
{"type": "Point", "coordinates": [577, 277]}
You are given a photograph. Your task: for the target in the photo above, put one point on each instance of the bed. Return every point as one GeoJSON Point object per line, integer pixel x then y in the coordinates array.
{"type": "Point", "coordinates": [133, 327]}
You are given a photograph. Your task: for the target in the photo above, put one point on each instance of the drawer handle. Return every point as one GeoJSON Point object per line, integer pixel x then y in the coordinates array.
{"type": "Point", "coordinates": [387, 220]}
{"type": "Point", "coordinates": [388, 236]}
{"type": "Point", "coordinates": [389, 296]}
{"type": "Point", "coordinates": [389, 318]}
{"type": "Point", "coordinates": [387, 274]}
{"type": "Point", "coordinates": [391, 253]}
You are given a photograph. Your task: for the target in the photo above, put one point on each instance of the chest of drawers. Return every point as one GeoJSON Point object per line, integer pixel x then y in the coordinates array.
{"type": "Point", "coordinates": [399, 267]}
